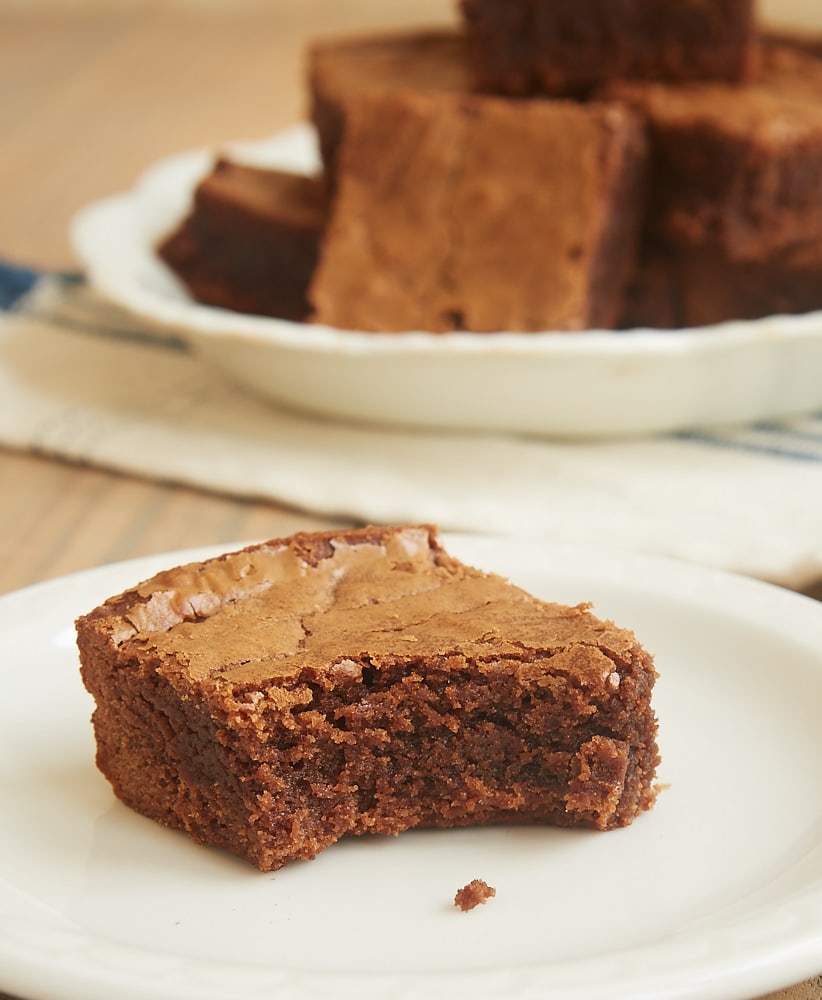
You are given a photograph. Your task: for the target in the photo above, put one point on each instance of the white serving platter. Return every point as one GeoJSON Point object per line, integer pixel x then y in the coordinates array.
{"type": "Point", "coordinates": [594, 384]}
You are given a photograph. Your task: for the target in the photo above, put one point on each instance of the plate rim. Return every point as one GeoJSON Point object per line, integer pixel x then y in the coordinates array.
{"type": "Point", "coordinates": [173, 977]}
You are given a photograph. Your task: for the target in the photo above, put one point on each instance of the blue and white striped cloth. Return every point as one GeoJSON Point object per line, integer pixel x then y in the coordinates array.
{"type": "Point", "coordinates": [83, 380]}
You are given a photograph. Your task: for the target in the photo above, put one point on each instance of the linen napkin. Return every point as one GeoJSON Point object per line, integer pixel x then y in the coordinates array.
{"type": "Point", "coordinates": [83, 380]}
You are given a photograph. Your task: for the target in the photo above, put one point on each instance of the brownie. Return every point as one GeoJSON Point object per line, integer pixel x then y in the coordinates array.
{"type": "Point", "coordinates": [250, 241]}
{"type": "Point", "coordinates": [712, 289]}
{"type": "Point", "coordinates": [566, 47]}
{"type": "Point", "coordinates": [482, 214]}
{"type": "Point", "coordinates": [341, 69]}
{"type": "Point", "coordinates": [738, 167]}
{"type": "Point", "coordinates": [273, 700]}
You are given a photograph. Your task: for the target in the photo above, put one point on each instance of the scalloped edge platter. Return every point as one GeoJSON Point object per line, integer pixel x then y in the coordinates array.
{"type": "Point", "coordinates": [596, 384]}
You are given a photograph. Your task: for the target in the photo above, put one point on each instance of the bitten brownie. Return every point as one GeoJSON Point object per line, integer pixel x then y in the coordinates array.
{"type": "Point", "coordinates": [275, 699]}
{"type": "Point", "coordinates": [566, 47]}
{"type": "Point", "coordinates": [250, 242]}
{"type": "Point", "coordinates": [342, 69]}
{"type": "Point", "coordinates": [482, 214]}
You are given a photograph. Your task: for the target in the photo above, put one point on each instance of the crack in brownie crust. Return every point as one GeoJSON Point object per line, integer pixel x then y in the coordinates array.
{"type": "Point", "coordinates": [276, 699]}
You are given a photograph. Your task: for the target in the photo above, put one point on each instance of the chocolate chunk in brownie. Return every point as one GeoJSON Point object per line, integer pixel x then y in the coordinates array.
{"type": "Point", "coordinates": [481, 214]}
{"type": "Point", "coordinates": [273, 700]}
{"type": "Point", "coordinates": [250, 242]}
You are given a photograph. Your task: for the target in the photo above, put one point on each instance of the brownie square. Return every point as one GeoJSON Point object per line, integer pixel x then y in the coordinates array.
{"type": "Point", "coordinates": [251, 240]}
{"type": "Point", "coordinates": [481, 214]}
{"type": "Point", "coordinates": [566, 47]}
{"type": "Point", "coordinates": [738, 167]}
{"type": "Point", "coordinates": [273, 700]}
{"type": "Point", "coordinates": [342, 69]}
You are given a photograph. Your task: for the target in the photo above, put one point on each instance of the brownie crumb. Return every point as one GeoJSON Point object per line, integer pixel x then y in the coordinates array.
{"type": "Point", "coordinates": [477, 891]}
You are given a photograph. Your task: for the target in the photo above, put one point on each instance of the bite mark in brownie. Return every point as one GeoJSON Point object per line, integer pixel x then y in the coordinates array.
{"type": "Point", "coordinates": [273, 700]}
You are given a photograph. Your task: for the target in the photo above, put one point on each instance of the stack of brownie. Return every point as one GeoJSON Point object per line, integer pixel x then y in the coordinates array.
{"type": "Point", "coordinates": [546, 165]}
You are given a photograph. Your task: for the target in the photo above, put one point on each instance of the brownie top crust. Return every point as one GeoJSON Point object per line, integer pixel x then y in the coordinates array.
{"type": "Point", "coordinates": [432, 59]}
{"type": "Point", "coordinates": [342, 69]}
{"type": "Point", "coordinates": [329, 603]}
{"type": "Point", "coordinates": [265, 193]}
{"type": "Point", "coordinates": [781, 104]}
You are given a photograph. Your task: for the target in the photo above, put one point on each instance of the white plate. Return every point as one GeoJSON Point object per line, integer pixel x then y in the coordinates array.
{"type": "Point", "coordinates": [596, 384]}
{"type": "Point", "coordinates": [716, 893]}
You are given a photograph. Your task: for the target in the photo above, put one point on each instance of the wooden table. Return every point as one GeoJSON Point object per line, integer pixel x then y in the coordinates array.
{"type": "Point", "coordinates": [91, 93]}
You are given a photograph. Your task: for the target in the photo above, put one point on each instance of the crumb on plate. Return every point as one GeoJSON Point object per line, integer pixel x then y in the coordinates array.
{"type": "Point", "coordinates": [477, 891]}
